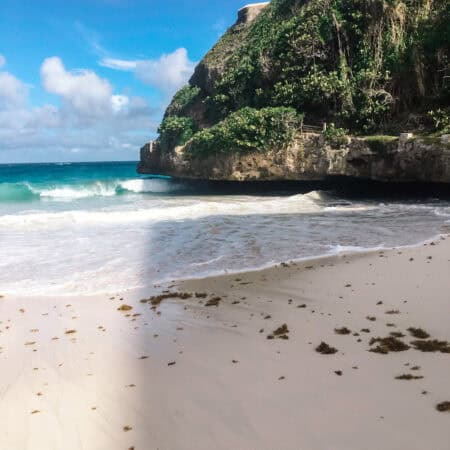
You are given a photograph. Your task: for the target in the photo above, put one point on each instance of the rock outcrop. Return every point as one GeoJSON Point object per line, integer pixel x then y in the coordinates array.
{"type": "Point", "coordinates": [213, 64]}
{"type": "Point", "coordinates": [250, 12]}
{"type": "Point", "coordinates": [318, 72]}
{"type": "Point", "coordinates": [310, 157]}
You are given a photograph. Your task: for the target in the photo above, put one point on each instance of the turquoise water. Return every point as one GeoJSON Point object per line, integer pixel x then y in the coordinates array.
{"type": "Point", "coordinates": [21, 183]}
{"type": "Point", "coordinates": [101, 228]}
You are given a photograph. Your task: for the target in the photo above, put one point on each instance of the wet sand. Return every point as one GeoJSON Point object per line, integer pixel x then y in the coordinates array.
{"type": "Point", "coordinates": [90, 373]}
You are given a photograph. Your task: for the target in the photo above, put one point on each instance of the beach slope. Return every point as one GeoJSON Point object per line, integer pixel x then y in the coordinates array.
{"type": "Point", "coordinates": [220, 370]}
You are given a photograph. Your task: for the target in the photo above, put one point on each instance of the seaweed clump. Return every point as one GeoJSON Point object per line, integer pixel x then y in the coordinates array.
{"type": "Point", "coordinates": [213, 301]}
{"type": "Point", "coordinates": [432, 345]}
{"type": "Point", "coordinates": [124, 308]}
{"type": "Point", "coordinates": [418, 333]}
{"type": "Point", "coordinates": [443, 407]}
{"type": "Point", "coordinates": [342, 331]}
{"type": "Point", "coordinates": [325, 349]}
{"type": "Point", "coordinates": [387, 345]}
{"type": "Point", "coordinates": [156, 300]}
{"type": "Point", "coordinates": [280, 333]}
{"type": "Point", "coordinates": [397, 334]}
{"type": "Point", "coordinates": [408, 376]}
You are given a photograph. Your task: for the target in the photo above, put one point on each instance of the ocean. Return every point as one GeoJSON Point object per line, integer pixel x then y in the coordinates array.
{"type": "Point", "coordinates": [86, 228]}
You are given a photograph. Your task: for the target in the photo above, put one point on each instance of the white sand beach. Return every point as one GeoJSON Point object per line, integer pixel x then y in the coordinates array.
{"type": "Point", "coordinates": [76, 373]}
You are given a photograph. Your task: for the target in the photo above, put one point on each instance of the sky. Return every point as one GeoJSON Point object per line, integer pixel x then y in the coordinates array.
{"type": "Point", "coordinates": [88, 80]}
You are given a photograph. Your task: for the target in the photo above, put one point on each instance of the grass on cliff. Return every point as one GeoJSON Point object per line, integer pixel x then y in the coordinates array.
{"type": "Point", "coordinates": [380, 143]}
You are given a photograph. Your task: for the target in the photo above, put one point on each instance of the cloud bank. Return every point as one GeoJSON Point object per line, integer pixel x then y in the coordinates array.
{"type": "Point", "coordinates": [90, 118]}
{"type": "Point", "coordinates": [167, 73]}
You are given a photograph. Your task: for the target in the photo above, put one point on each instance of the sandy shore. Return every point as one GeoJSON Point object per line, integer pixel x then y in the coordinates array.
{"type": "Point", "coordinates": [76, 373]}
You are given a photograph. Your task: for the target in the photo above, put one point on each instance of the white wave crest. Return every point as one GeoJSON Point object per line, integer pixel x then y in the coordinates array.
{"type": "Point", "coordinates": [101, 189]}
{"type": "Point", "coordinates": [148, 185]}
{"type": "Point", "coordinates": [72, 193]}
{"type": "Point", "coordinates": [170, 209]}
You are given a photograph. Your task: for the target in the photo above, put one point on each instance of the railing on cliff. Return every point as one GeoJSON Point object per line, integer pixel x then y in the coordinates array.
{"type": "Point", "coordinates": [310, 129]}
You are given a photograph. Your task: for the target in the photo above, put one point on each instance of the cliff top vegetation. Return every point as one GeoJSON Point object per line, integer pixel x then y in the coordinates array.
{"type": "Point", "coordinates": [368, 66]}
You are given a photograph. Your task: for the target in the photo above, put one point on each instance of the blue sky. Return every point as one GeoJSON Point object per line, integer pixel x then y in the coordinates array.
{"type": "Point", "coordinates": [86, 80]}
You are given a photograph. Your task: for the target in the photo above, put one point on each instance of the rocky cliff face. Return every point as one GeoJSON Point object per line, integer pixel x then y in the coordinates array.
{"type": "Point", "coordinates": [330, 62]}
{"type": "Point", "coordinates": [213, 65]}
{"type": "Point", "coordinates": [310, 157]}
{"type": "Point", "coordinates": [249, 13]}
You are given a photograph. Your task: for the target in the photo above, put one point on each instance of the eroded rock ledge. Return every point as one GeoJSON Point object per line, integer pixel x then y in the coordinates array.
{"type": "Point", "coordinates": [310, 157]}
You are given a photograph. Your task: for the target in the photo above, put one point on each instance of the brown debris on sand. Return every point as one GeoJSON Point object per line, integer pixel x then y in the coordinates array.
{"type": "Point", "coordinates": [156, 300]}
{"type": "Point", "coordinates": [342, 331]}
{"type": "Point", "coordinates": [213, 301]}
{"type": "Point", "coordinates": [387, 345]}
{"type": "Point", "coordinates": [124, 308]}
{"type": "Point", "coordinates": [432, 345]}
{"type": "Point", "coordinates": [408, 376]}
{"type": "Point", "coordinates": [397, 334]}
{"type": "Point", "coordinates": [418, 333]}
{"type": "Point", "coordinates": [325, 349]}
{"type": "Point", "coordinates": [280, 333]}
{"type": "Point", "coordinates": [443, 407]}
{"type": "Point", "coordinates": [127, 428]}
{"type": "Point", "coordinates": [70, 332]}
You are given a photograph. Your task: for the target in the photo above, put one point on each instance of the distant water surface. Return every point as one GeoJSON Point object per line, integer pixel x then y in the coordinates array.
{"type": "Point", "coordinates": [100, 227]}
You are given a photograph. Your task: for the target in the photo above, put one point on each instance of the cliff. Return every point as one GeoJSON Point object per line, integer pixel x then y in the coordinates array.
{"type": "Point", "coordinates": [310, 157]}
{"type": "Point", "coordinates": [365, 68]}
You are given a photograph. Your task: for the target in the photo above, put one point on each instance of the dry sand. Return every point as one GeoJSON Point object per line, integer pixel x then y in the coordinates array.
{"type": "Point", "coordinates": [77, 373]}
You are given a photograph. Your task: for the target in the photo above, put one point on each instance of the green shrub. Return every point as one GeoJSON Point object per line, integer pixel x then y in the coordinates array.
{"type": "Point", "coordinates": [353, 62]}
{"type": "Point", "coordinates": [335, 136]}
{"type": "Point", "coordinates": [441, 119]}
{"type": "Point", "coordinates": [247, 130]}
{"type": "Point", "coordinates": [181, 100]}
{"type": "Point", "coordinates": [175, 131]}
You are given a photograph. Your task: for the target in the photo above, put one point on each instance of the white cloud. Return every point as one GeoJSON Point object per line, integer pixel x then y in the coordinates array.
{"type": "Point", "coordinates": [2, 61]}
{"type": "Point", "coordinates": [92, 118]}
{"type": "Point", "coordinates": [118, 64]}
{"type": "Point", "coordinates": [167, 73]}
{"type": "Point", "coordinates": [83, 89]}
{"type": "Point", "coordinates": [12, 91]}
{"type": "Point", "coordinates": [91, 37]}
{"type": "Point", "coordinates": [119, 103]}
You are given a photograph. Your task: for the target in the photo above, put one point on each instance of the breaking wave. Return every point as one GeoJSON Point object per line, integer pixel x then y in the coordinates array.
{"type": "Point", "coordinates": [160, 210]}
{"type": "Point", "coordinates": [24, 191]}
